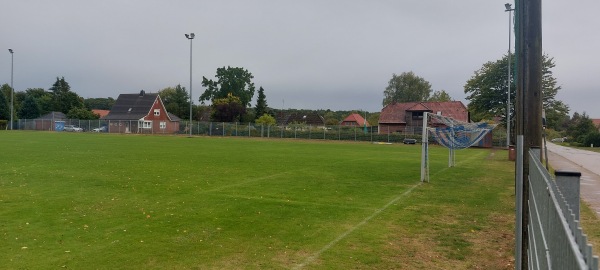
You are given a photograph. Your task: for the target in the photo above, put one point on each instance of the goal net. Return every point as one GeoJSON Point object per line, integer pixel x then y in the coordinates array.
{"type": "Point", "coordinates": [450, 133]}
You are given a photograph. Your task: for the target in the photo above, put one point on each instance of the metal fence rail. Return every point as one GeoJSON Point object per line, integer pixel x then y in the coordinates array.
{"type": "Point", "coordinates": [297, 131]}
{"type": "Point", "coordinates": [556, 240]}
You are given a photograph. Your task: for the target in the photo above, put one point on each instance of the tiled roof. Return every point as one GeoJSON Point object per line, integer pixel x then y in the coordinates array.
{"type": "Point", "coordinates": [596, 123]}
{"type": "Point", "coordinates": [100, 113]}
{"type": "Point", "coordinates": [131, 106]}
{"type": "Point", "coordinates": [356, 118]}
{"type": "Point", "coordinates": [395, 113]}
{"type": "Point", "coordinates": [174, 118]}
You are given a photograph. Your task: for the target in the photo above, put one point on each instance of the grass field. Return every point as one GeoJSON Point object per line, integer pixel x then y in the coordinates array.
{"type": "Point", "coordinates": [80, 201]}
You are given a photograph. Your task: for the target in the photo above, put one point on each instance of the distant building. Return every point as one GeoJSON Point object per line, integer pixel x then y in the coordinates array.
{"type": "Point", "coordinates": [596, 123]}
{"type": "Point", "coordinates": [48, 121]}
{"type": "Point", "coordinates": [141, 113]}
{"type": "Point", "coordinates": [355, 119]}
{"type": "Point", "coordinates": [101, 113]}
{"type": "Point", "coordinates": [408, 117]}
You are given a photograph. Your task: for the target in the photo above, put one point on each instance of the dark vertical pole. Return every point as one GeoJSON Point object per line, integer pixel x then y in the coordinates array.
{"type": "Point", "coordinates": [529, 94]}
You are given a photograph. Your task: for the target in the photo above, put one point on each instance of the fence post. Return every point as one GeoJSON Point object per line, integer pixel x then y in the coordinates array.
{"type": "Point", "coordinates": [568, 184]}
{"type": "Point", "coordinates": [519, 204]}
{"type": "Point", "coordinates": [388, 133]}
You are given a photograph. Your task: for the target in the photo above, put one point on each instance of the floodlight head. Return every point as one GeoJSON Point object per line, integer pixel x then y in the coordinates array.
{"type": "Point", "coordinates": [508, 7]}
{"type": "Point", "coordinates": [187, 36]}
{"type": "Point", "coordinates": [10, 50]}
{"type": "Point", "coordinates": [192, 35]}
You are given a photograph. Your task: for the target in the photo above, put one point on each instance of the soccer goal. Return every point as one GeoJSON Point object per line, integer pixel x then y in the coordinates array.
{"type": "Point", "coordinates": [450, 133]}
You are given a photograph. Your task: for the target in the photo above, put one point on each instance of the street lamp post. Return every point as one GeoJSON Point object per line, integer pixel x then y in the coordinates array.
{"type": "Point", "coordinates": [12, 90]}
{"type": "Point", "coordinates": [509, 9]}
{"type": "Point", "coordinates": [190, 37]}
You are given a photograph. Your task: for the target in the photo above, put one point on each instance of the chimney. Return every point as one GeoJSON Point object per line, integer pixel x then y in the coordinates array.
{"type": "Point", "coordinates": [142, 92]}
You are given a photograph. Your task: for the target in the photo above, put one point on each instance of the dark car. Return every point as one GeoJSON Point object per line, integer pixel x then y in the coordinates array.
{"type": "Point", "coordinates": [409, 141]}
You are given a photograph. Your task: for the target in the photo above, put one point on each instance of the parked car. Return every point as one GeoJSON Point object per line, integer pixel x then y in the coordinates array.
{"type": "Point", "coordinates": [100, 129]}
{"type": "Point", "coordinates": [409, 141]}
{"type": "Point", "coordinates": [73, 128]}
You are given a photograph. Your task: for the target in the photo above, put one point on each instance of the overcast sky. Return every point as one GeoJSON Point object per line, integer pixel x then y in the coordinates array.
{"type": "Point", "coordinates": [306, 54]}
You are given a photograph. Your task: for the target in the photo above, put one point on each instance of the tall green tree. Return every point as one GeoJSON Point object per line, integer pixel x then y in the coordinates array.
{"type": "Point", "coordinates": [176, 100]}
{"type": "Point", "coordinates": [406, 87]}
{"type": "Point", "coordinates": [236, 81]}
{"type": "Point", "coordinates": [261, 103]}
{"type": "Point", "coordinates": [64, 99]}
{"type": "Point", "coordinates": [43, 98]}
{"type": "Point", "coordinates": [440, 96]}
{"type": "Point", "coordinates": [228, 109]}
{"type": "Point", "coordinates": [99, 103]}
{"type": "Point", "coordinates": [488, 87]}
{"type": "Point", "coordinates": [4, 103]}
{"type": "Point", "coordinates": [580, 126]}
{"type": "Point", "coordinates": [82, 114]}
{"type": "Point", "coordinates": [30, 109]}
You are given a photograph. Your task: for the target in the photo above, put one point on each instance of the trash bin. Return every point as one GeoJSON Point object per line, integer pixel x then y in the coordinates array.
{"type": "Point", "coordinates": [512, 153]}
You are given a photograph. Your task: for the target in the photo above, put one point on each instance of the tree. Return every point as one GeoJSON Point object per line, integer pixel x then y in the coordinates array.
{"type": "Point", "coordinates": [42, 98]}
{"type": "Point", "coordinates": [266, 120]}
{"type": "Point", "coordinates": [4, 103]}
{"type": "Point", "coordinates": [406, 87]}
{"type": "Point", "coordinates": [440, 96]}
{"type": "Point", "coordinates": [99, 103]}
{"type": "Point", "coordinates": [63, 99]}
{"type": "Point", "coordinates": [228, 109]}
{"type": "Point", "coordinates": [235, 81]}
{"type": "Point", "coordinates": [82, 114]}
{"type": "Point", "coordinates": [30, 109]}
{"type": "Point", "coordinates": [487, 91]}
{"type": "Point", "coordinates": [261, 103]}
{"type": "Point", "coordinates": [580, 126]}
{"type": "Point", "coordinates": [176, 100]}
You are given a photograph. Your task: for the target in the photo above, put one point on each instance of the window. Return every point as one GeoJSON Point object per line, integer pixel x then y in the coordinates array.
{"type": "Point", "coordinates": [156, 112]}
{"type": "Point", "coordinates": [163, 125]}
{"type": "Point", "coordinates": [417, 115]}
{"type": "Point", "coordinates": [147, 124]}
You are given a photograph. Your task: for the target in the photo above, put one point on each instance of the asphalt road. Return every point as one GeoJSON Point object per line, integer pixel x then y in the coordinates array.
{"type": "Point", "coordinates": [586, 162]}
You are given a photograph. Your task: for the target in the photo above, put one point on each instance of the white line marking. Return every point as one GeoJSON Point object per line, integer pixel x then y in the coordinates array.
{"type": "Point", "coordinates": [343, 235]}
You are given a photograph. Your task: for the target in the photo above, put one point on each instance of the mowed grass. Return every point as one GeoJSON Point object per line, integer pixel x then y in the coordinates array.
{"type": "Point", "coordinates": [101, 201]}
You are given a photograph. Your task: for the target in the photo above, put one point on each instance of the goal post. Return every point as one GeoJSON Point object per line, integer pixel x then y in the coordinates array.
{"type": "Point", "coordinates": [425, 150]}
{"type": "Point", "coordinates": [450, 133]}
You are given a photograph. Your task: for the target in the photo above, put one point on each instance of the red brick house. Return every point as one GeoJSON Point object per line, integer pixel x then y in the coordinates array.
{"type": "Point", "coordinates": [141, 113]}
{"type": "Point", "coordinates": [408, 117]}
{"type": "Point", "coordinates": [355, 119]}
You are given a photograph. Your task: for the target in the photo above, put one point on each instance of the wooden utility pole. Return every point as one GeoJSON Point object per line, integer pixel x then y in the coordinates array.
{"type": "Point", "coordinates": [529, 94]}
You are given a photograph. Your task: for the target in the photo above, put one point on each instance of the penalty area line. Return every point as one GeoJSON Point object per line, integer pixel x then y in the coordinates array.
{"type": "Point", "coordinates": [316, 255]}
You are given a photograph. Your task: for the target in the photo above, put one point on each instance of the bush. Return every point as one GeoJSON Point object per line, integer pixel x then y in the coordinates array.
{"type": "Point", "coordinates": [592, 138]}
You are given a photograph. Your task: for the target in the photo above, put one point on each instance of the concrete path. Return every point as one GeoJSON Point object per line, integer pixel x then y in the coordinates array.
{"type": "Point", "coordinates": [586, 162]}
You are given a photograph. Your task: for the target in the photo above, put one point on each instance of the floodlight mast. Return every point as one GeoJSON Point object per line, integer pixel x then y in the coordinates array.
{"type": "Point", "coordinates": [12, 90]}
{"type": "Point", "coordinates": [509, 10]}
{"type": "Point", "coordinates": [190, 37]}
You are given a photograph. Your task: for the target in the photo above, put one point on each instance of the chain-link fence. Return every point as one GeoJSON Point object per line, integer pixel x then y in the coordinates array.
{"type": "Point", "coordinates": [222, 129]}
